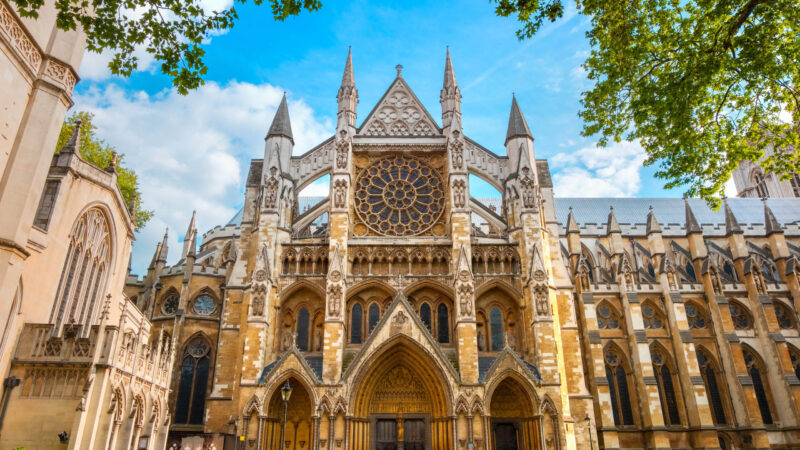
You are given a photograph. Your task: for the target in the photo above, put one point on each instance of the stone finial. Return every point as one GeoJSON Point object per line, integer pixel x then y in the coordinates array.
{"type": "Point", "coordinates": [399, 69]}
{"type": "Point", "coordinates": [770, 222]}
{"type": "Point", "coordinates": [692, 226]}
{"type": "Point", "coordinates": [612, 226]}
{"type": "Point", "coordinates": [112, 163]}
{"type": "Point", "coordinates": [572, 224]}
{"type": "Point", "coordinates": [731, 224]}
{"type": "Point", "coordinates": [652, 223]}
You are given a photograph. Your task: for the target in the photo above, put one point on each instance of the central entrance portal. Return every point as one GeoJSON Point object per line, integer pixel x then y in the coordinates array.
{"type": "Point", "coordinates": [400, 434]}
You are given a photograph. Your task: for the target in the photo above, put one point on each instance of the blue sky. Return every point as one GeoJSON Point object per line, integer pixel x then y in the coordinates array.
{"type": "Point", "coordinates": [192, 152]}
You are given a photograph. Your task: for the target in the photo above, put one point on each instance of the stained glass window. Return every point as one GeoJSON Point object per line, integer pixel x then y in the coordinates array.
{"type": "Point", "coordinates": [496, 325]}
{"type": "Point", "coordinates": [170, 304]}
{"type": "Point", "coordinates": [374, 316]}
{"type": "Point", "coordinates": [425, 315]}
{"type": "Point", "coordinates": [302, 329]}
{"type": "Point", "coordinates": [694, 316]}
{"type": "Point", "coordinates": [741, 320]}
{"type": "Point", "coordinates": [204, 305]}
{"type": "Point", "coordinates": [652, 318]}
{"type": "Point", "coordinates": [690, 272]}
{"type": "Point", "coordinates": [443, 323]}
{"type": "Point", "coordinates": [606, 318]}
{"type": "Point", "coordinates": [190, 403]}
{"type": "Point", "coordinates": [666, 389]}
{"type": "Point", "coordinates": [758, 386]}
{"type": "Point", "coordinates": [712, 387]}
{"type": "Point", "coordinates": [784, 315]}
{"type": "Point", "coordinates": [618, 389]}
{"type": "Point", "coordinates": [355, 324]}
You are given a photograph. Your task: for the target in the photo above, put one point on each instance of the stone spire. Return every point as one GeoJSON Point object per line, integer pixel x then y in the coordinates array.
{"type": "Point", "coordinates": [612, 226]}
{"type": "Point", "coordinates": [652, 223]}
{"type": "Point", "coordinates": [691, 222]}
{"type": "Point", "coordinates": [281, 125]}
{"type": "Point", "coordinates": [162, 249]}
{"type": "Point", "coordinates": [517, 126]}
{"type": "Point", "coordinates": [73, 145]}
{"type": "Point", "coordinates": [770, 222]}
{"type": "Point", "coordinates": [731, 224]}
{"type": "Point", "coordinates": [572, 225]}
{"type": "Point", "coordinates": [347, 97]}
{"type": "Point", "coordinates": [450, 96]}
{"type": "Point", "coordinates": [191, 235]}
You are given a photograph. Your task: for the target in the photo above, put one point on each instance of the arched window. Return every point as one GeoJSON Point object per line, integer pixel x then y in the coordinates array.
{"type": "Point", "coordinates": [618, 389]}
{"type": "Point", "coordinates": [607, 318]}
{"type": "Point", "coordinates": [727, 268]}
{"type": "Point", "coordinates": [760, 185]}
{"type": "Point", "coordinates": [712, 387]}
{"type": "Point", "coordinates": [795, 182]}
{"type": "Point", "coordinates": [190, 404]}
{"type": "Point", "coordinates": [496, 328]}
{"type": "Point", "coordinates": [204, 305]}
{"type": "Point", "coordinates": [425, 315]}
{"type": "Point", "coordinates": [443, 323]}
{"type": "Point", "coordinates": [784, 315]}
{"type": "Point", "coordinates": [758, 385]}
{"type": "Point", "coordinates": [355, 324]}
{"type": "Point", "coordinates": [695, 317]}
{"type": "Point", "coordinates": [374, 316]}
{"type": "Point", "coordinates": [741, 319]}
{"type": "Point", "coordinates": [795, 357]}
{"type": "Point", "coordinates": [170, 304]}
{"type": "Point", "coordinates": [690, 272]}
{"type": "Point", "coordinates": [83, 276]}
{"type": "Point", "coordinates": [651, 270]}
{"type": "Point", "coordinates": [303, 319]}
{"type": "Point", "coordinates": [666, 388]}
{"type": "Point", "coordinates": [652, 317]}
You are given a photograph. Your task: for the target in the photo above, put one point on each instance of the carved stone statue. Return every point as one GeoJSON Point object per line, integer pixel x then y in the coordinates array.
{"type": "Point", "coordinates": [459, 193]}
{"type": "Point", "coordinates": [480, 341]}
{"type": "Point", "coordinates": [339, 194]}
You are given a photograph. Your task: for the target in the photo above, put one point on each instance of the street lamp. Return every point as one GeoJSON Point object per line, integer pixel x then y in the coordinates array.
{"type": "Point", "coordinates": [589, 429]}
{"type": "Point", "coordinates": [286, 392]}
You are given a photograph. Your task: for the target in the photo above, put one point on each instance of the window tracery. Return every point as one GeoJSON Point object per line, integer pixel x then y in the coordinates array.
{"type": "Point", "coordinates": [204, 305]}
{"type": "Point", "coordinates": [170, 305]}
{"type": "Point", "coordinates": [653, 319]}
{"type": "Point", "coordinates": [754, 370]}
{"type": "Point", "coordinates": [190, 403]}
{"type": "Point", "coordinates": [740, 317]}
{"type": "Point", "coordinates": [607, 318]}
{"type": "Point", "coordinates": [695, 317]}
{"type": "Point", "coordinates": [784, 315]}
{"type": "Point", "coordinates": [711, 382]}
{"type": "Point", "coordinates": [399, 196]}
{"type": "Point", "coordinates": [618, 389]}
{"type": "Point", "coordinates": [666, 387]}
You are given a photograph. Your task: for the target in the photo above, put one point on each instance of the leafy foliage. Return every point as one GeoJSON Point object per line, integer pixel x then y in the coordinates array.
{"type": "Point", "coordinates": [702, 84]}
{"type": "Point", "coordinates": [99, 154]}
{"type": "Point", "coordinates": [173, 31]}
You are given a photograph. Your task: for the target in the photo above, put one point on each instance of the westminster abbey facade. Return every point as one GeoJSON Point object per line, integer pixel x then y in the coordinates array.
{"type": "Point", "coordinates": [406, 314]}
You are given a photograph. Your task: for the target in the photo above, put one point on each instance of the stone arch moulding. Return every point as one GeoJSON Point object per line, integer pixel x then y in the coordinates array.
{"type": "Point", "coordinates": [530, 390]}
{"type": "Point", "coordinates": [278, 377]}
{"type": "Point", "coordinates": [298, 285]}
{"type": "Point", "coordinates": [498, 284]}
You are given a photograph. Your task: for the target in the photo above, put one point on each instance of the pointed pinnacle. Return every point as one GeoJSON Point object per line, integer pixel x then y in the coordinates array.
{"type": "Point", "coordinates": [771, 223]}
{"type": "Point", "coordinates": [162, 253]}
{"type": "Point", "coordinates": [191, 226]}
{"type": "Point", "coordinates": [449, 74]}
{"type": "Point", "coordinates": [731, 224]}
{"type": "Point", "coordinates": [612, 226]}
{"type": "Point", "coordinates": [572, 225]}
{"type": "Point", "coordinates": [652, 223]}
{"type": "Point", "coordinates": [348, 79]}
{"type": "Point", "coordinates": [517, 126]}
{"type": "Point", "coordinates": [73, 145]}
{"type": "Point", "coordinates": [691, 222]}
{"type": "Point", "coordinates": [281, 125]}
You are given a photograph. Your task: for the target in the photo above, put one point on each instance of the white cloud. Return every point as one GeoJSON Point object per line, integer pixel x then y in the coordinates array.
{"type": "Point", "coordinates": [94, 66]}
{"type": "Point", "coordinates": [192, 152]}
{"type": "Point", "coordinates": [594, 171]}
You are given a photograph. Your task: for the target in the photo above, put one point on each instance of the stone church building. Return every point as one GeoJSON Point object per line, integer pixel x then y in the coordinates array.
{"type": "Point", "coordinates": [406, 314]}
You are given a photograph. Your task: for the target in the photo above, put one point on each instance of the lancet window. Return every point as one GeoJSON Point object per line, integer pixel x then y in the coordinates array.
{"type": "Point", "coordinates": [618, 389]}
{"type": "Point", "coordinates": [496, 328]}
{"type": "Point", "coordinates": [666, 387]}
{"type": "Point", "coordinates": [443, 322]}
{"type": "Point", "coordinates": [712, 383]}
{"type": "Point", "coordinates": [303, 325]}
{"type": "Point", "coordinates": [356, 327]}
{"type": "Point", "coordinates": [784, 315]}
{"type": "Point", "coordinates": [754, 369]}
{"type": "Point", "coordinates": [83, 277]}
{"type": "Point", "coordinates": [607, 317]}
{"type": "Point", "coordinates": [374, 316]}
{"type": "Point", "coordinates": [425, 315]}
{"type": "Point", "coordinates": [190, 403]}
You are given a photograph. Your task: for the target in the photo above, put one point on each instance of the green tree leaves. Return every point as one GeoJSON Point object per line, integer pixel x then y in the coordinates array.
{"type": "Point", "coordinates": [99, 154]}
{"type": "Point", "coordinates": [702, 84]}
{"type": "Point", "coordinates": [173, 31]}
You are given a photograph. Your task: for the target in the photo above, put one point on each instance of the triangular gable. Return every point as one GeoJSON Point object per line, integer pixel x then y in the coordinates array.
{"type": "Point", "coordinates": [291, 358]}
{"type": "Point", "coordinates": [400, 318]}
{"type": "Point", "coordinates": [399, 113]}
{"type": "Point", "coordinates": [508, 356]}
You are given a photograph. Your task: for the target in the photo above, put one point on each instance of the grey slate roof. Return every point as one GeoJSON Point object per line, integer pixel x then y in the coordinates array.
{"type": "Point", "coordinates": [281, 125]}
{"type": "Point", "coordinates": [517, 126]}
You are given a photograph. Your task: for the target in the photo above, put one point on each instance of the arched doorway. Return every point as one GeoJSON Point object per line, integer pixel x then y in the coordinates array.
{"type": "Point", "coordinates": [401, 402]}
{"type": "Point", "coordinates": [299, 433]}
{"type": "Point", "coordinates": [513, 425]}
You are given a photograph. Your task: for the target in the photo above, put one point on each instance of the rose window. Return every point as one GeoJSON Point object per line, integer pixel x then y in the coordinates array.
{"type": "Point", "coordinates": [399, 196]}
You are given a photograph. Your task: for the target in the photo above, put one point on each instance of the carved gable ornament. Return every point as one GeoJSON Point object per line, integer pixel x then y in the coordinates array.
{"type": "Point", "coordinates": [399, 113]}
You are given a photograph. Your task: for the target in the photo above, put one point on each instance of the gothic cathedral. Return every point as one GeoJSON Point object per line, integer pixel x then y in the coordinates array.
{"type": "Point", "coordinates": [400, 312]}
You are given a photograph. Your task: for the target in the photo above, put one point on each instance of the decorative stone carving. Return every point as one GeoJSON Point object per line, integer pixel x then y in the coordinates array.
{"type": "Point", "coordinates": [463, 285]}
{"type": "Point", "coordinates": [342, 150]}
{"type": "Point", "coordinates": [528, 189]}
{"type": "Point", "coordinates": [465, 299]}
{"type": "Point", "coordinates": [758, 280]}
{"type": "Point", "coordinates": [270, 195]}
{"type": "Point", "coordinates": [16, 35]}
{"type": "Point", "coordinates": [540, 295]}
{"type": "Point", "coordinates": [456, 146]}
{"type": "Point", "coordinates": [340, 194]}
{"type": "Point", "coordinates": [288, 341]}
{"type": "Point", "coordinates": [716, 283]}
{"type": "Point", "coordinates": [260, 283]}
{"type": "Point", "coordinates": [459, 193]}
{"type": "Point", "coordinates": [60, 75]}
{"type": "Point", "coordinates": [334, 300]}
{"type": "Point", "coordinates": [399, 114]}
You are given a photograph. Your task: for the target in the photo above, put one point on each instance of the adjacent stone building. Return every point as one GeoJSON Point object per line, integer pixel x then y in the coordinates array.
{"type": "Point", "coordinates": [405, 313]}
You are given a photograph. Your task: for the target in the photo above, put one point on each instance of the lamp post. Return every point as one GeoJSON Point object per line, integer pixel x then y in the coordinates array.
{"type": "Point", "coordinates": [286, 392]}
{"type": "Point", "coordinates": [589, 429]}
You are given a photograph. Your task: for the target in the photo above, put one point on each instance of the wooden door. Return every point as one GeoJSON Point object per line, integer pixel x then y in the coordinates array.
{"type": "Point", "coordinates": [505, 436]}
{"type": "Point", "coordinates": [386, 434]}
{"type": "Point", "coordinates": [414, 434]}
